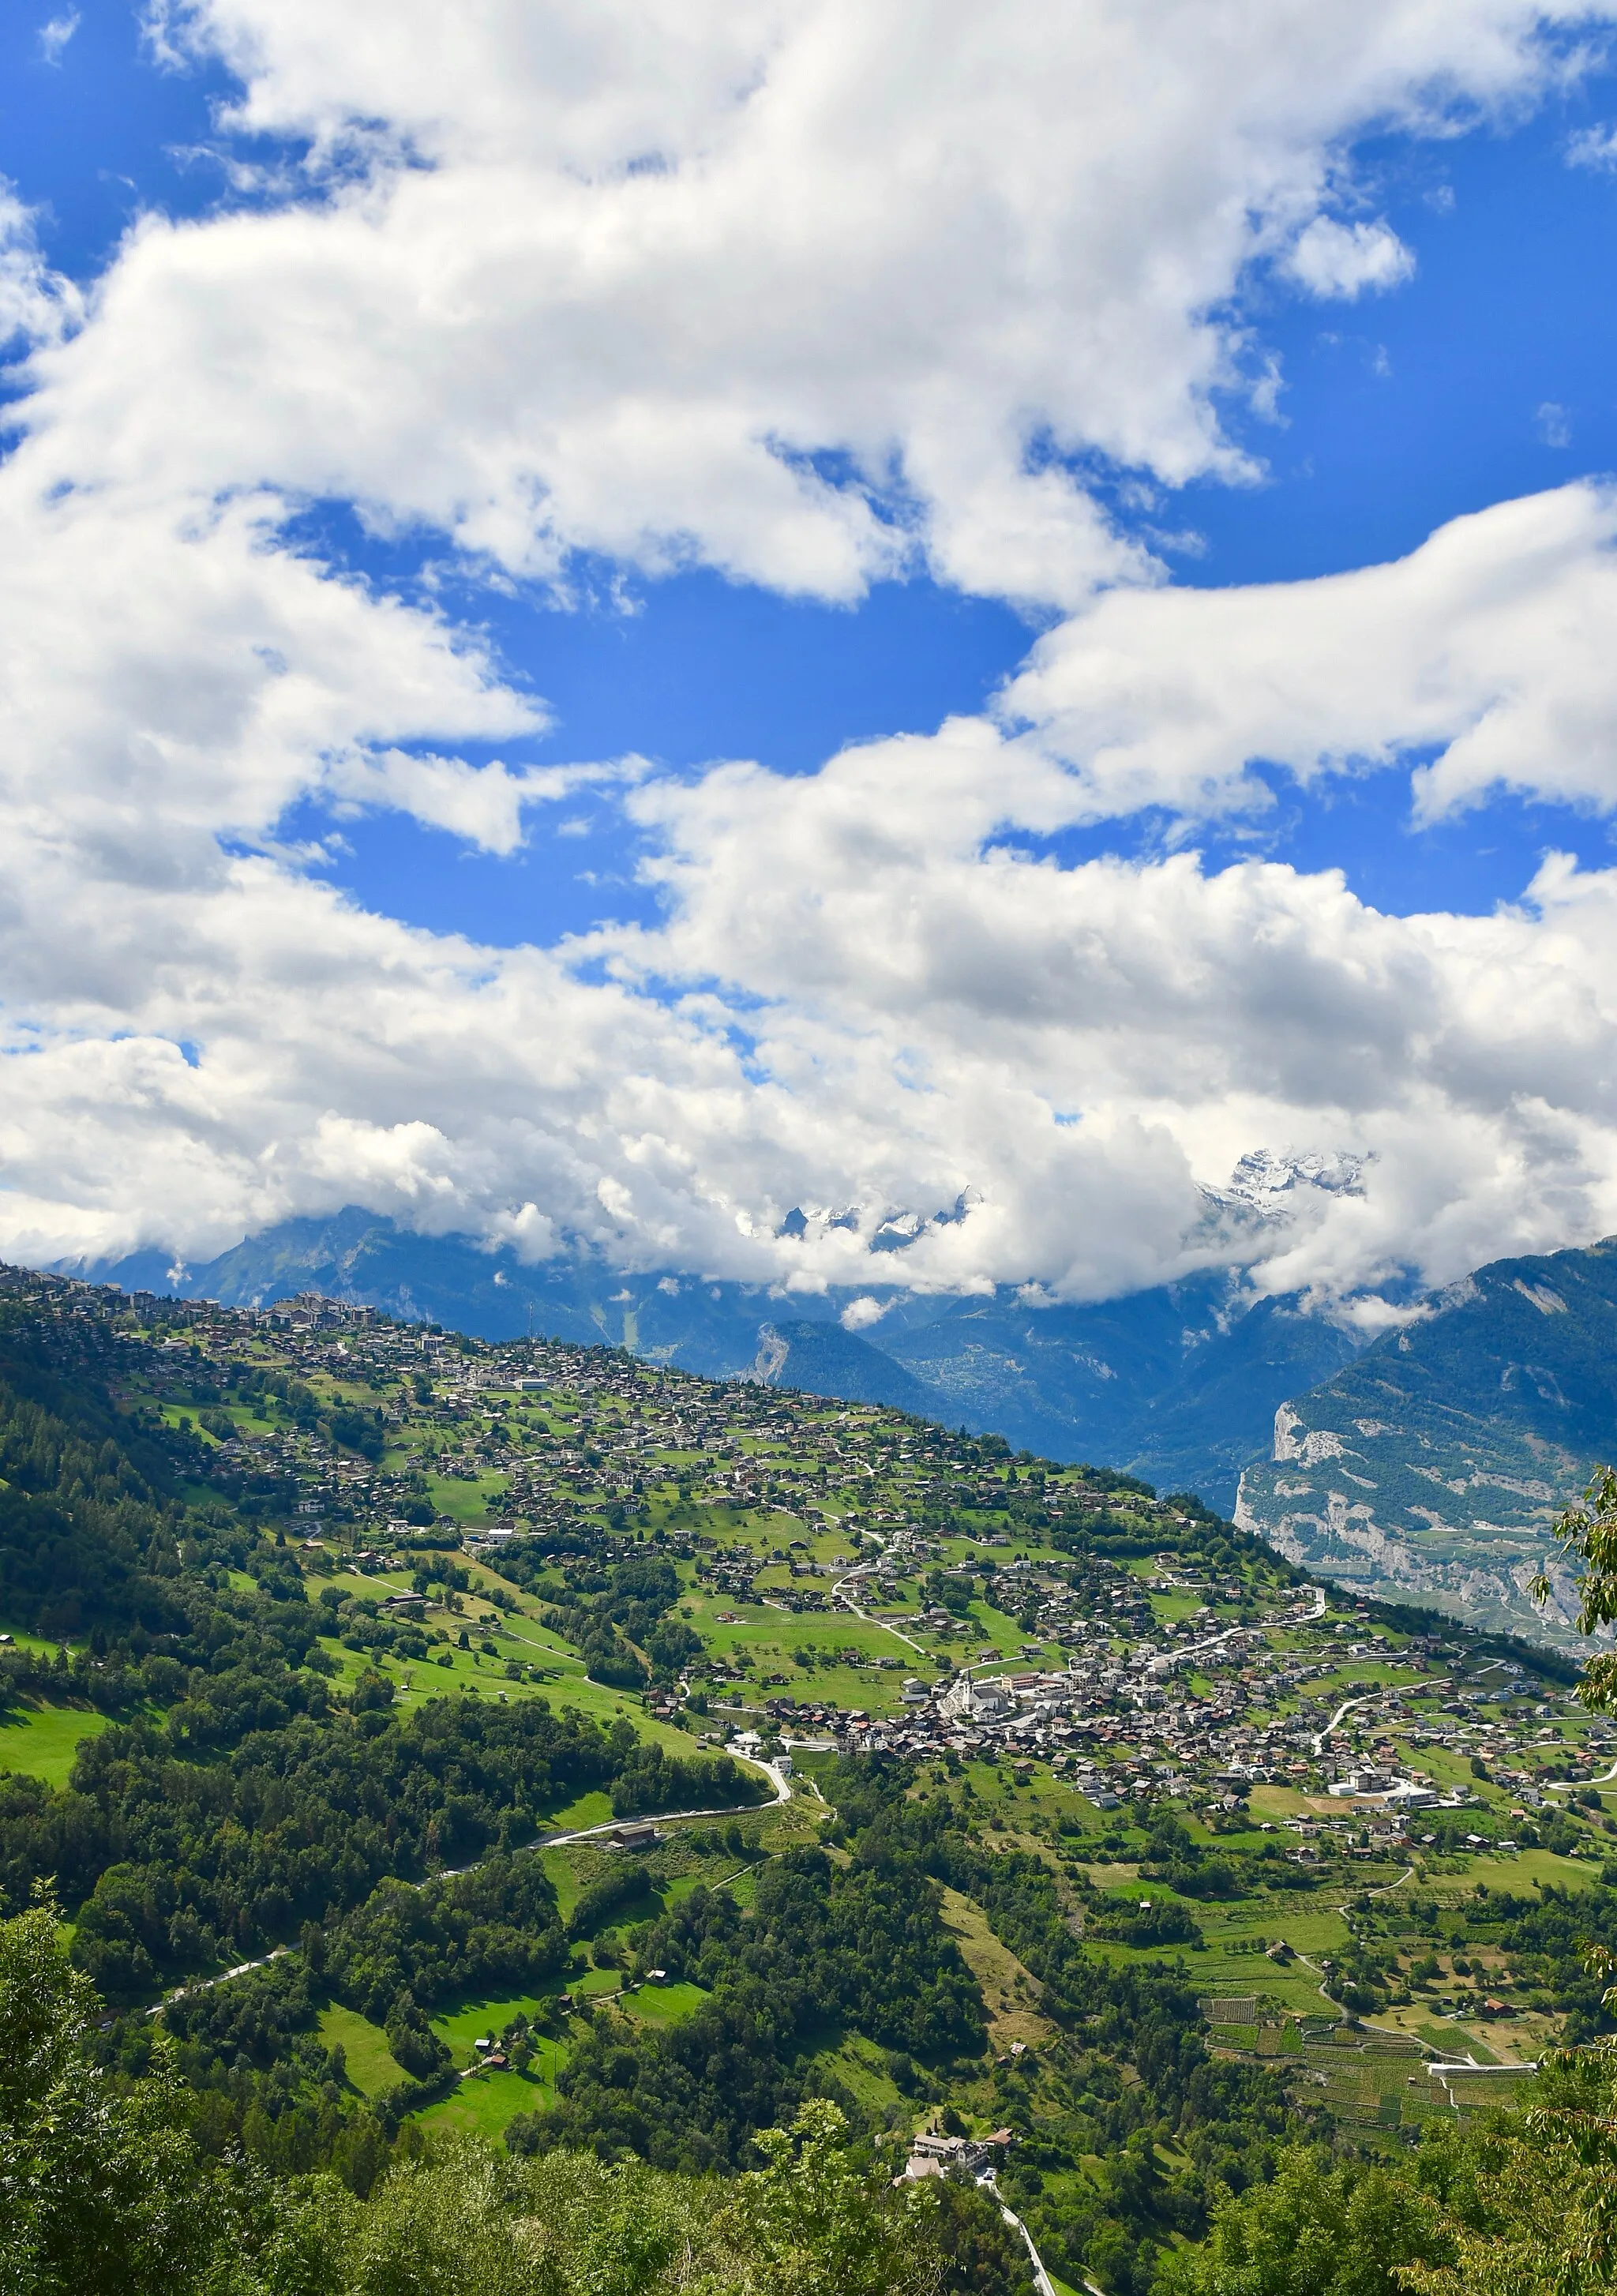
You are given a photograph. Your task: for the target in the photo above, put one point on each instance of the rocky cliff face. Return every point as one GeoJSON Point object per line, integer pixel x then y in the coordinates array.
{"type": "Point", "coordinates": [1434, 1464]}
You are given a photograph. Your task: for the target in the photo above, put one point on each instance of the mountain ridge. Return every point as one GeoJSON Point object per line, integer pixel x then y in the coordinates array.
{"type": "Point", "coordinates": [1436, 1462]}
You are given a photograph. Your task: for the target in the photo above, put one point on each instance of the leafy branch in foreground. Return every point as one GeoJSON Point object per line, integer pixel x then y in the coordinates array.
{"type": "Point", "coordinates": [1587, 1534]}
{"type": "Point", "coordinates": [104, 2190]}
{"type": "Point", "coordinates": [1543, 2211]}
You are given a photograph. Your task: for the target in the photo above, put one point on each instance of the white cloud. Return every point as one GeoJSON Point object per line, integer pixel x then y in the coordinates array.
{"type": "Point", "coordinates": [484, 805]}
{"type": "Point", "coordinates": [925, 1014]}
{"type": "Point", "coordinates": [666, 260]}
{"type": "Point", "coordinates": [1337, 258]}
{"type": "Point", "coordinates": [37, 304]}
{"type": "Point", "coordinates": [1488, 648]}
{"type": "Point", "coordinates": [910, 1038]}
{"type": "Point", "coordinates": [1593, 147]}
{"type": "Point", "coordinates": [55, 33]}
{"type": "Point", "coordinates": [931, 246]}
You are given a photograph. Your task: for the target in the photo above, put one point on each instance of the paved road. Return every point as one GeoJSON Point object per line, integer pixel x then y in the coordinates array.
{"type": "Point", "coordinates": [1196, 1648]}
{"type": "Point", "coordinates": [546, 1649]}
{"type": "Point", "coordinates": [207, 1984]}
{"type": "Point", "coordinates": [1387, 1887]}
{"type": "Point", "coordinates": [1041, 2278]}
{"type": "Point", "coordinates": [1345, 1707]}
{"type": "Point", "coordinates": [1470, 2065]}
{"type": "Point", "coordinates": [837, 1589]}
{"type": "Point", "coordinates": [1566, 1785]}
{"type": "Point", "coordinates": [782, 1794]}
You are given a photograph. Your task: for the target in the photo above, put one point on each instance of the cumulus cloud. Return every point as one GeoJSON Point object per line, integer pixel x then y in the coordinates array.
{"type": "Point", "coordinates": [484, 805]}
{"type": "Point", "coordinates": [862, 995]}
{"type": "Point", "coordinates": [809, 294]}
{"type": "Point", "coordinates": [37, 304]}
{"type": "Point", "coordinates": [1488, 648]}
{"type": "Point", "coordinates": [1338, 258]}
{"type": "Point", "coordinates": [1084, 1048]}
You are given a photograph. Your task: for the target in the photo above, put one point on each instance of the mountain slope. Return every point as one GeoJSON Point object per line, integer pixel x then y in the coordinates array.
{"type": "Point", "coordinates": [823, 1359]}
{"type": "Point", "coordinates": [1179, 1384]}
{"type": "Point", "coordinates": [1438, 1460]}
{"type": "Point", "coordinates": [492, 1294]}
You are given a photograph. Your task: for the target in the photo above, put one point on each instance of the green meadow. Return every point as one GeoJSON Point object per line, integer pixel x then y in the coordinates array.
{"type": "Point", "coordinates": [371, 2066]}
{"type": "Point", "coordinates": [42, 1741]}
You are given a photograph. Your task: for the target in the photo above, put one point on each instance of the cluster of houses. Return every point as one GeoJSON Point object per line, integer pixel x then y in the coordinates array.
{"type": "Point", "coordinates": [1114, 1728]}
{"type": "Point", "coordinates": [934, 2155]}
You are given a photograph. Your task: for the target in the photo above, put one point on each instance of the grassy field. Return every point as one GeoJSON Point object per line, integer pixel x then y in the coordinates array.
{"type": "Point", "coordinates": [486, 2018]}
{"type": "Point", "coordinates": [861, 2067]}
{"type": "Point", "coordinates": [597, 1983]}
{"type": "Point", "coordinates": [41, 1645]}
{"type": "Point", "coordinates": [449, 1671]}
{"type": "Point", "coordinates": [1009, 1993]}
{"type": "Point", "coordinates": [563, 1874]}
{"type": "Point", "coordinates": [662, 2004]}
{"type": "Point", "coordinates": [1517, 1870]}
{"type": "Point", "coordinates": [42, 1741]}
{"type": "Point", "coordinates": [771, 1639]}
{"type": "Point", "coordinates": [592, 1808]}
{"type": "Point", "coordinates": [487, 2103]}
{"type": "Point", "coordinates": [371, 2066]}
{"type": "Point", "coordinates": [468, 1502]}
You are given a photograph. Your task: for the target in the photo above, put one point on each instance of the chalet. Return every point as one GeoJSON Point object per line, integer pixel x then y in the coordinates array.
{"type": "Point", "coordinates": [641, 1835]}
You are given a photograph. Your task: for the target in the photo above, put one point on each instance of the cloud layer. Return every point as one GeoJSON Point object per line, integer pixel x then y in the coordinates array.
{"type": "Point", "coordinates": [812, 296]}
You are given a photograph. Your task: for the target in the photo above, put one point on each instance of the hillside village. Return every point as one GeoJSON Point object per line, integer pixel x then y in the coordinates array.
{"type": "Point", "coordinates": [1128, 1673]}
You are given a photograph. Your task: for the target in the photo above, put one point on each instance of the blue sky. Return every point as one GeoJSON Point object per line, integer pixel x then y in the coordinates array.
{"type": "Point", "coordinates": [405, 532]}
{"type": "Point", "coordinates": [1394, 416]}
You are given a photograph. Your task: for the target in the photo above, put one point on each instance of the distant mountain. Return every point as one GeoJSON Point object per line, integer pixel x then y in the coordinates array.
{"type": "Point", "coordinates": [1180, 1383]}
{"type": "Point", "coordinates": [454, 1281]}
{"type": "Point", "coordinates": [1434, 1464]}
{"type": "Point", "coordinates": [823, 1359]}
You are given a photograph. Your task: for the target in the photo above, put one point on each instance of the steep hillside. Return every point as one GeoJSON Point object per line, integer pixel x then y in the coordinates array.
{"type": "Point", "coordinates": [341, 1658]}
{"type": "Point", "coordinates": [823, 1359]}
{"type": "Point", "coordinates": [1437, 1462]}
{"type": "Point", "coordinates": [1180, 1383]}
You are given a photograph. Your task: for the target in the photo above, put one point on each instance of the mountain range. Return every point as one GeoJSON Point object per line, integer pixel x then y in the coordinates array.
{"type": "Point", "coordinates": [1435, 1464]}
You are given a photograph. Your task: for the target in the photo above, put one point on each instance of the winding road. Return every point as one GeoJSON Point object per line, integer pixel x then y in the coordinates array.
{"type": "Point", "coordinates": [771, 1770]}
{"type": "Point", "coordinates": [1566, 1785]}
{"type": "Point", "coordinates": [859, 1570]}
{"type": "Point", "coordinates": [1041, 2278]}
{"type": "Point", "coordinates": [1334, 1723]}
